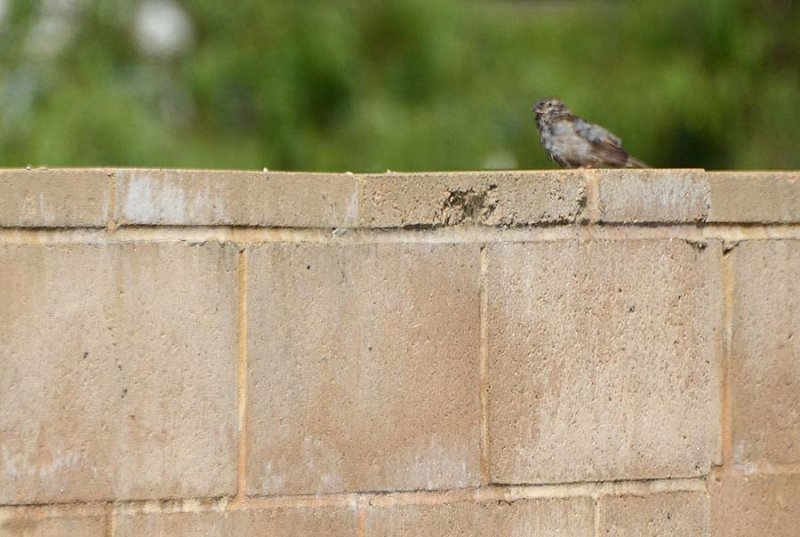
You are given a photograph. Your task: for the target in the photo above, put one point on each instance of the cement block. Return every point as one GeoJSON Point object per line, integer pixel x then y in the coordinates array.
{"type": "Point", "coordinates": [363, 368]}
{"type": "Point", "coordinates": [765, 353]}
{"type": "Point", "coordinates": [602, 360]}
{"type": "Point", "coordinates": [299, 522]}
{"type": "Point", "coordinates": [656, 515]}
{"type": "Point", "coordinates": [755, 197]}
{"type": "Point", "coordinates": [117, 372]}
{"type": "Point", "coordinates": [757, 505]}
{"type": "Point", "coordinates": [566, 517]}
{"type": "Point", "coordinates": [54, 198]}
{"type": "Point", "coordinates": [653, 196]}
{"type": "Point", "coordinates": [186, 197]}
{"type": "Point", "coordinates": [446, 199]}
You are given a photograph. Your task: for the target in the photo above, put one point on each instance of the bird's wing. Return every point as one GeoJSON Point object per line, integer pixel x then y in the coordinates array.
{"type": "Point", "coordinates": [596, 134]}
{"type": "Point", "coordinates": [606, 147]}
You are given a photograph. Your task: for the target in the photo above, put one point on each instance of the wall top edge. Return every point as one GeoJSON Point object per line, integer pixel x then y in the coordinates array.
{"type": "Point", "coordinates": [113, 197]}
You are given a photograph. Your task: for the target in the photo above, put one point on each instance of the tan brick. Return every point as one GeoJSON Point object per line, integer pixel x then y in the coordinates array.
{"type": "Point", "coordinates": [363, 368]}
{"type": "Point", "coordinates": [653, 196]}
{"type": "Point", "coordinates": [301, 522]}
{"type": "Point", "coordinates": [117, 372]}
{"type": "Point", "coordinates": [567, 517]}
{"type": "Point", "coordinates": [756, 506]}
{"type": "Point", "coordinates": [602, 360]}
{"type": "Point", "coordinates": [185, 197]}
{"type": "Point", "coordinates": [657, 515]}
{"type": "Point", "coordinates": [54, 198]}
{"type": "Point", "coordinates": [765, 197]}
{"type": "Point", "coordinates": [765, 353]}
{"type": "Point", "coordinates": [22, 525]}
{"type": "Point", "coordinates": [497, 198]}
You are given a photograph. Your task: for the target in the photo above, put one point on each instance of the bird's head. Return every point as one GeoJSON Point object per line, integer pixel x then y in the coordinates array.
{"type": "Point", "coordinates": [549, 107]}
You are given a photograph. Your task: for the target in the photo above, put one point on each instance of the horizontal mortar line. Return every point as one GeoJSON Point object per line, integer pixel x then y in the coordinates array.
{"type": "Point", "coordinates": [751, 231]}
{"type": "Point", "coordinates": [55, 510]}
{"type": "Point", "coordinates": [756, 469]}
{"type": "Point", "coordinates": [352, 499]}
{"type": "Point", "coordinates": [188, 505]}
{"type": "Point", "coordinates": [458, 234]}
{"type": "Point", "coordinates": [604, 488]}
{"type": "Point", "coordinates": [94, 507]}
{"type": "Point", "coordinates": [344, 499]}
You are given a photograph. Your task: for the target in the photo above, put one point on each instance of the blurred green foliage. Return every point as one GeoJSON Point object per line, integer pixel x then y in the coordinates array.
{"type": "Point", "coordinates": [399, 84]}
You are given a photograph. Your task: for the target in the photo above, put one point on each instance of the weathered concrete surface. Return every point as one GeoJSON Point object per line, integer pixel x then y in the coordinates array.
{"type": "Point", "coordinates": [765, 353]}
{"type": "Point", "coordinates": [369, 357]}
{"type": "Point", "coordinates": [656, 515]}
{"type": "Point", "coordinates": [295, 522]}
{"type": "Point", "coordinates": [152, 197]}
{"type": "Point", "coordinates": [653, 196]}
{"type": "Point", "coordinates": [497, 198]}
{"type": "Point", "coordinates": [567, 517]}
{"type": "Point", "coordinates": [117, 372]}
{"type": "Point", "coordinates": [602, 360]}
{"type": "Point", "coordinates": [755, 197]}
{"type": "Point", "coordinates": [58, 198]}
{"type": "Point", "coordinates": [756, 506]}
{"type": "Point", "coordinates": [363, 367]}
{"type": "Point", "coordinates": [185, 198]}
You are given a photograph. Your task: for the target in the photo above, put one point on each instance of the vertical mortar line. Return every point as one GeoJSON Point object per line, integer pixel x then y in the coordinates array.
{"type": "Point", "coordinates": [241, 276]}
{"type": "Point", "coordinates": [112, 223]}
{"type": "Point", "coordinates": [362, 504]}
{"type": "Point", "coordinates": [484, 367]}
{"type": "Point", "coordinates": [728, 288]}
{"type": "Point", "coordinates": [110, 520]}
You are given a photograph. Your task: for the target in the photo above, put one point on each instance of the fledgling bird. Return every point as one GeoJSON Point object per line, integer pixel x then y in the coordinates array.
{"type": "Point", "coordinates": [575, 143]}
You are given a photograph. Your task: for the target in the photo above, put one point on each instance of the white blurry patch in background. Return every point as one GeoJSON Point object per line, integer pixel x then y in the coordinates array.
{"type": "Point", "coordinates": [53, 29]}
{"type": "Point", "coordinates": [500, 160]}
{"type": "Point", "coordinates": [162, 28]}
{"type": "Point", "coordinates": [3, 11]}
{"type": "Point", "coordinates": [17, 92]}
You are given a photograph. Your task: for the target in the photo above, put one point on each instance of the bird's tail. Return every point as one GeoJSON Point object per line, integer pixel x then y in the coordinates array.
{"type": "Point", "coordinates": [635, 163]}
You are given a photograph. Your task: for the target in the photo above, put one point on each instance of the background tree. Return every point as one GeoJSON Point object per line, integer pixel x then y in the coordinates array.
{"type": "Point", "coordinates": [405, 85]}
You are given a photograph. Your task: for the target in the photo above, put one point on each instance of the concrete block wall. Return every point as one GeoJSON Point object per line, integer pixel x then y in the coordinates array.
{"type": "Point", "coordinates": [561, 353]}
